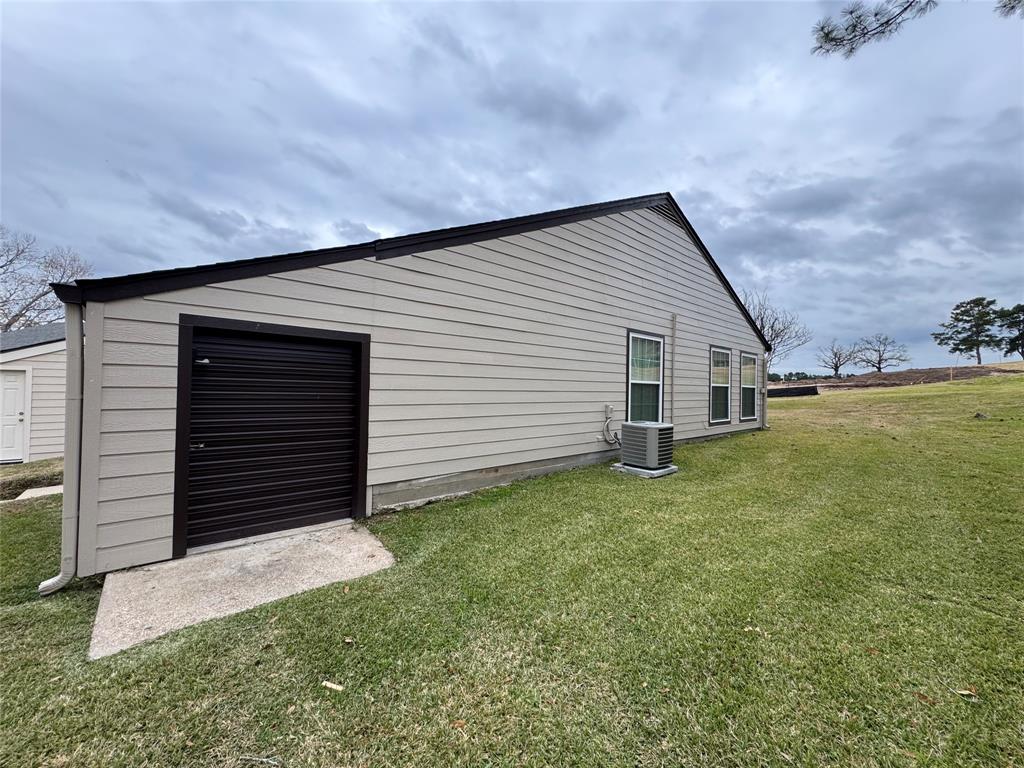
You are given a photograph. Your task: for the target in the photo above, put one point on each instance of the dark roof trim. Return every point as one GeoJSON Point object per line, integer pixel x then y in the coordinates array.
{"type": "Point", "coordinates": [127, 286]}
{"type": "Point", "coordinates": [688, 227]}
{"type": "Point", "coordinates": [161, 281]}
{"type": "Point", "coordinates": [475, 233]}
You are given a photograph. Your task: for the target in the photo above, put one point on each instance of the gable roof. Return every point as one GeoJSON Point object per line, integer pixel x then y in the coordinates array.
{"type": "Point", "coordinates": [127, 286]}
{"type": "Point", "coordinates": [31, 337]}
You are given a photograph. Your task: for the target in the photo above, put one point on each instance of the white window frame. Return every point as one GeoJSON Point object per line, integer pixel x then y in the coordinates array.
{"type": "Point", "coordinates": [712, 385]}
{"type": "Point", "coordinates": [630, 381]}
{"type": "Point", "coordinates": [748, 356]}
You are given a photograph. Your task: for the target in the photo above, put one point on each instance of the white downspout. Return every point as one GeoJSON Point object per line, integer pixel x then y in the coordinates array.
{"type": "Point", "coordinates": [672, 391]}
{"type": "Point", "coordinates": [72, 452]}
{"type": "Point", "coordinates": [764, 393]}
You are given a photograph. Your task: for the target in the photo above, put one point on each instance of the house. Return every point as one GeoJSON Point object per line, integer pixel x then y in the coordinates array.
{"type": "Point", "coordinates": [32, 399]}
{"type": "Point", "coordinates": [232, 400]}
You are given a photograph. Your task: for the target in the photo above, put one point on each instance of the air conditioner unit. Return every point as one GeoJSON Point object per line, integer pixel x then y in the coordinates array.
{"type": "Point", "coordinates": [647, 449]}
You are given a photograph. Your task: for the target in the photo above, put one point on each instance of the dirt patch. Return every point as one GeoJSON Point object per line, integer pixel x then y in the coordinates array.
{"type": "Point", "coordinates": [15, 478]}
{"type": "Point", "coordinates": [909, 377]}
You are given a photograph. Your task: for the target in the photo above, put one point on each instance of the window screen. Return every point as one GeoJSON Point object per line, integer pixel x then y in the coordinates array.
{"type": "Point", "coordinates": [645, 377]}
{"type": "Point", "coordinates": [721, 361]}
{"type": "Point", "coordinates": [748, 387]}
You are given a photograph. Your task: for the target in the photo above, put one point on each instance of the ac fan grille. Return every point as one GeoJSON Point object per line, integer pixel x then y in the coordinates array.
{"type": "Point", "coordinates": [647, 445]}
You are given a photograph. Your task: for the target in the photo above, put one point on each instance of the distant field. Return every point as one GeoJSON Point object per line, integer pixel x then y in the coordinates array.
{"type": "Point", "coordinates": [912, 376]}
{"type": "Point", "coordinates": [844, 589]}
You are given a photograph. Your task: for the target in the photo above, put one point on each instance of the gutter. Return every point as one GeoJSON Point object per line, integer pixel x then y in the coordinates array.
{"type": "Point", "coordinates": [72, 452]}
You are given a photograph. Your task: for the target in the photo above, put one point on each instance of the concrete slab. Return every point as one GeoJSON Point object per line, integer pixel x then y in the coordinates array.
{"type": "Point", "coordinates": [142, 603]}
{"type": "Point", "coordinates": [33, 493]}
{"type": "Point", "coordinates": [647, 473]}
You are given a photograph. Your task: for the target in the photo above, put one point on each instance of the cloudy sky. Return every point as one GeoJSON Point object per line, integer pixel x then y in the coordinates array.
{"type": "Point", "coordinates": [867, 195]}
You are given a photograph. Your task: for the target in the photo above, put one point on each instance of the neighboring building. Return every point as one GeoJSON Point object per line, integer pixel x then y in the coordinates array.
{"type": "Point", "coordinates": [235, 399]}
{"type": "Point", "coordinates": [32, 399]}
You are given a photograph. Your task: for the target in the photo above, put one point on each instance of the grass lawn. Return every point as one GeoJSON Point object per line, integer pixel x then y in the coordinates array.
{"type": "Point", "coordinates": [811, 595]}
{"type": "Point", "coordinates": [15, 478]}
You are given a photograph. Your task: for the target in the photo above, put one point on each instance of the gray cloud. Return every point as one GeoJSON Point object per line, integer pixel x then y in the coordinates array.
{"type": "Point", "coordinates": [131, 249]}
{"type": "Point", "coordinates": [321, 158]}
{"type": "Point", "coordinates": [220, 223]}
{"type": "Point", "coordinates": [863, 194]}
{"type": "Point", "coordinates": [354, 232]}
{"type": "Point", "coordinates": [553, 105]}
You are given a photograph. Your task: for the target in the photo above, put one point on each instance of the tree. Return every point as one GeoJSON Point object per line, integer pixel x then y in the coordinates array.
{"type": "Point", "coordinates": [859, 24]}
{"type": "Point", "coordinates": [26, 272]}
{"type": "Point", "coordinates": [1011, 320]}
{"type": "Point", "coordinates": [835, 356]}
{"type": "Point", "coordinates": [880, 352]}
{"type": "Point", "coordinates": [780, 327]}
{"type": "Point", "coordinates": [970, 328]}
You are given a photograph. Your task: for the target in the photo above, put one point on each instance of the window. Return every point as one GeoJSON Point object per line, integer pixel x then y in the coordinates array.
{"type": "Point", "coordinates": [748, 386]}
{"type": "Point", "coordinates": [721, 363]}
{"type": "Point", "coordinates": [646, 356]}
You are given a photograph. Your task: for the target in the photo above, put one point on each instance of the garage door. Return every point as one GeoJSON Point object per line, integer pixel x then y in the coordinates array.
{"type": "Point", "coordinates": [273, 433]}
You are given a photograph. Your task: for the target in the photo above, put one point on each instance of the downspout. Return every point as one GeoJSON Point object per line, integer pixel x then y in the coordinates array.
{"type": "Point", "coordinates": [764, 393]}
{"type": "Point", "coordinates": [72, 452]}
{"type": "Point", "coordinates": [672, 390]}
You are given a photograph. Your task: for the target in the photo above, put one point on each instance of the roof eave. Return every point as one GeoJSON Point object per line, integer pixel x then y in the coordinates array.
{"type": "Point", "coordinates": [718, 271]}
{"type": "Point", "coordinates": [69, 293]}
{"type": "Point", "coordinates": [128, 286]}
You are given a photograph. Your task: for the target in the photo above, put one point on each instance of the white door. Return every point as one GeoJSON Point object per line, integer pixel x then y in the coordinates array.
{"type": "Point", "coordinates": [12, 410]}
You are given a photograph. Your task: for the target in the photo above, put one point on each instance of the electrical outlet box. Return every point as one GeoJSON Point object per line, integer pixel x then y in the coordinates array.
{"type": "Point", "coordinates": [609, 411]}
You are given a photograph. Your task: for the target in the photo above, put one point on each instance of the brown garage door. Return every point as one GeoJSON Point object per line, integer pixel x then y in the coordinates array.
{"type": "Point", "coordinates": [274, 433]}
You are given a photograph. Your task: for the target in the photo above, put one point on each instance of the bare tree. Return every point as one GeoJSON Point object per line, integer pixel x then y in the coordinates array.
{"type": "Point", "coordinates": [859, 24]}
{"type": "Point", "coordinates": [780, 327]}
{"type": "Point", "coordinates": [836, 355]}
{"type": "Point", "coordinates": [26, 272]}
{"type": "Point", "coordinates": [880, 352]}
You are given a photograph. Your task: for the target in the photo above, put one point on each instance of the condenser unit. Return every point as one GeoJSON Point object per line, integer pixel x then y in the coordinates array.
{"type": "Point", "coordinates": [647, 448]}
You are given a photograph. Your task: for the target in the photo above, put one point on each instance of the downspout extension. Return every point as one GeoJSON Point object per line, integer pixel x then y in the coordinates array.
{"type": "Point", "coordinates": [72, 452]}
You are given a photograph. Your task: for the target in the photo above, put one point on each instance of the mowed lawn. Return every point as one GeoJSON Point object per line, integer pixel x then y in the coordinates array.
{"type": "Point", "coordinates": [812, 595]}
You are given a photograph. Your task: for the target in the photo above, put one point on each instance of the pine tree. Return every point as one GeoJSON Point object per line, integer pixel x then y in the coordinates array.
{"type": "Point", "coordinates": [970, 328]}
{"type": "Point", "coordinates": [1011, 320]}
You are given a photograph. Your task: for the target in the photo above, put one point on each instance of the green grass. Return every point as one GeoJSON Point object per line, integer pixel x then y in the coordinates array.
{"type": "Point", "coordinates": [811, 595]}
{"type": "Point", "coordinates": [15, 478]}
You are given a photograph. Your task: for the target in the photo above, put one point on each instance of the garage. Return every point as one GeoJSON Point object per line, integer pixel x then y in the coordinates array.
{"type": "Point", "coordinates": [271, 429]}
{"type": "Point", "coordinates": [227, 401]}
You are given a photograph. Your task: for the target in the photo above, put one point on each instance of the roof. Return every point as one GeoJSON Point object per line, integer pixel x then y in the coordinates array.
{"type": "Point", "coordinates": [127, 286]}
{"type": "Point", "coordinates": [31, 337]}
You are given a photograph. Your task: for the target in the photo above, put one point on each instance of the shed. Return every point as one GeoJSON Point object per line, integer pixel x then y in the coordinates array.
{"type": "Point", "coordinates": [32, 399]}
{"type": "Point", "coordinates": [239, 399]}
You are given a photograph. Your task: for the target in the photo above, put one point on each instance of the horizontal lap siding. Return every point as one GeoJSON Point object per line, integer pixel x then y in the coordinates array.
{"type": "Point", "coordinates": [483, 355]}
{"type": "Point", "coordinates": [46, 402]}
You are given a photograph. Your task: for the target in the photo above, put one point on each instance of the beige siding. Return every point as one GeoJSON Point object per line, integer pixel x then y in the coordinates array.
{"type": "Point", "coordinates": [482, 356]}
{"type": "Point", "coordinates": [45, 376]}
